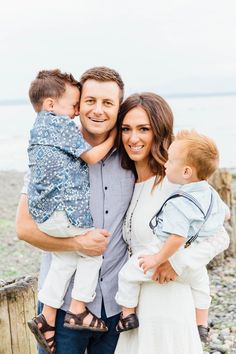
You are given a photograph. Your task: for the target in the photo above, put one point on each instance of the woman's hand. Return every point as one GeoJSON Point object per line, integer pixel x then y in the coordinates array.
{"type": "Point", "coordinates": [164, 273]}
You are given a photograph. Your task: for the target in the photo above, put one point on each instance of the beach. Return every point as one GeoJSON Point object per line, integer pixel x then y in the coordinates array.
{"type": "Point", "coordinates": [20, 259]}
{"type": "Point", "coordinates": [17, 257]}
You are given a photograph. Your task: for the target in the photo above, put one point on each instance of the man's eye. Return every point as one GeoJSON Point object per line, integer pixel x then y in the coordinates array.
{"type": "Point", "coordinates": [89, 101]}
{"type": "Point", "coordinates": [108, 104]}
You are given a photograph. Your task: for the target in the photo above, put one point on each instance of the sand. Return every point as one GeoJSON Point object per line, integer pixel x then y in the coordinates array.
{"type": "Point", "coordinates": [16, 257]}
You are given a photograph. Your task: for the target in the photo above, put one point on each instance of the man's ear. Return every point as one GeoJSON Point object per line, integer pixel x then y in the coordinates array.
{"type": "Point", "coordinates": [187, 172]}
{"type": "Point", "coordinates": [48, 104]}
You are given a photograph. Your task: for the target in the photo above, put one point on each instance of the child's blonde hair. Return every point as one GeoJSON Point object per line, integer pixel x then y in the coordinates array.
{"type": "Point", "coordinates": [200, 152]}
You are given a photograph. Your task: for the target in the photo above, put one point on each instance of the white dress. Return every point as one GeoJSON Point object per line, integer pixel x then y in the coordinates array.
{"type": "Point", "coordinates": [166, 312]}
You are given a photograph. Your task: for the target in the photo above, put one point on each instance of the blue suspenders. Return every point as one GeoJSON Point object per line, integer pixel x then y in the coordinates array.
{"type": "Point", "coordinates": [153, 222]}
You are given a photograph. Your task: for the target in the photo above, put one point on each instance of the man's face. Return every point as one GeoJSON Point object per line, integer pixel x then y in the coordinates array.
{"type": "Point", "coordinates": [99, 106]}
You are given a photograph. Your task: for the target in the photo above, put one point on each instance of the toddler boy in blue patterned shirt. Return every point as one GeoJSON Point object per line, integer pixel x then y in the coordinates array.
{"type": "Point", "coordinates": [59, 200]}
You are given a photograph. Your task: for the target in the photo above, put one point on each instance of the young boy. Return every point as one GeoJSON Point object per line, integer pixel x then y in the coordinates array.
{"type": "Point", "coordinates": [194, 212]}
{"type": "Point", "coordinates": [59, 200]}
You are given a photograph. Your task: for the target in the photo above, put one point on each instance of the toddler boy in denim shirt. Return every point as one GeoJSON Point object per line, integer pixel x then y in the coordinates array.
{"type": "Point", "coordinates": [59, 200]}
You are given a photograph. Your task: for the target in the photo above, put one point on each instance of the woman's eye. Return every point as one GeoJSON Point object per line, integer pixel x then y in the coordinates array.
{"type": "Point", "coordinates": [124, 129]}
{"type": "Point", "coordinates": [144, 129]}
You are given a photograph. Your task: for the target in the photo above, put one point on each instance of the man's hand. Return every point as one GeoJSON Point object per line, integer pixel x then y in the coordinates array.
{"type": "Point", "coordinates": [164, 273]}
{"type": "Point", "coordinates": [94, 242]}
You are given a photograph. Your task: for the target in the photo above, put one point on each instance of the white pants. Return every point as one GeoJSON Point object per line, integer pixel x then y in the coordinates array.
{"type": "Point", "coordinates": [65, 264]}
{"type": "Point", "coordinates": [131, 277]}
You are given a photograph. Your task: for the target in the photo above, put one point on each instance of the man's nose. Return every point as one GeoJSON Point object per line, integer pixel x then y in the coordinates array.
{"type": "Point", "coordinates": [98, 110]}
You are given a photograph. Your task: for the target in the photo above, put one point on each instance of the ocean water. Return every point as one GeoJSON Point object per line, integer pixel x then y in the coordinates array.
{"type": "Point", "coordinates": [212, 115]}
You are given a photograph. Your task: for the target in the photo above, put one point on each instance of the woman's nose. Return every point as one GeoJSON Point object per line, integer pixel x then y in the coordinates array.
{"type": "Point", "coordinates": [134, 137]}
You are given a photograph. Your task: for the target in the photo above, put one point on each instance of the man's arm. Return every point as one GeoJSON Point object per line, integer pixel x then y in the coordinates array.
{"type": "Point", "coordinates": [193, 257]}
{"type": "Point", "coordinates": [93, 243]}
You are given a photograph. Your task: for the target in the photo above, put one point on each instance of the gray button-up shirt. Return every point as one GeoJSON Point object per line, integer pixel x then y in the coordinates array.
{"type": "Point", "coordinates": [111, 188]}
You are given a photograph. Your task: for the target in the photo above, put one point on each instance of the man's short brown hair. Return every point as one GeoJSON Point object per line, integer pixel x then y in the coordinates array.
{"type": "Point", "coordinates": [49, 83]}
{"type": "Point", "coordinates": [200, 152]}
{"type": "Point", "coordinates": [103, 74]}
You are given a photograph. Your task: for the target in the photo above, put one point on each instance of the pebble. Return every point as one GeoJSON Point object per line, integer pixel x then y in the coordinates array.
{"type": "Point", "coordinates": [222, 314]}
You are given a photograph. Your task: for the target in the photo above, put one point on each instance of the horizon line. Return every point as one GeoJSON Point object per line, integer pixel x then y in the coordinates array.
{"type": "Point", "coordinates": [21, 101]}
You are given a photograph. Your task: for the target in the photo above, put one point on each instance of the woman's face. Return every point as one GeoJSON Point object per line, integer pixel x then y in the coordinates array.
{"type": "Point", "coordinates": [137, 135]}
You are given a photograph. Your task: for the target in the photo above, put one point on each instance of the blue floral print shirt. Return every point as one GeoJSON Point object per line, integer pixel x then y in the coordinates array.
{"type": "Point", "coordinates": [59, 178]}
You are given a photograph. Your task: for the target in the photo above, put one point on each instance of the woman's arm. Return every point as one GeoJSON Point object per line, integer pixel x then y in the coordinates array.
{"type": "Point", "coordinates": [93, 243]}
{"type": "Point", "coordinates": [193, 257]}
{"type": "Point", "coordinates": [199, 254]}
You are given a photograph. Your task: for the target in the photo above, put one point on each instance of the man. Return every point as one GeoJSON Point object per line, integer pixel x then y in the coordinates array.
{"type": "Point", "coordinates": [111, 189]}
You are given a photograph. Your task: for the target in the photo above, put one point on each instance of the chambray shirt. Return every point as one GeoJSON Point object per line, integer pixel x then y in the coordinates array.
{"type": "Point", "coordinates": [182, 217]}
{"type": "Point", "coordinates": [59, 178]}
{"type": "Point", "coordinates": [111, 189]}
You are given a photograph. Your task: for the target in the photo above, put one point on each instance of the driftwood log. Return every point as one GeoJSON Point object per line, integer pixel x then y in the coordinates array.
{"type": "Point", "coordinates": [223, 182]}
{"type": "Point", "coordinates": [17, 306]}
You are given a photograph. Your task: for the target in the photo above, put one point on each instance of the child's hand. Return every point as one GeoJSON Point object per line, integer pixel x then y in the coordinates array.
{"type": "Point", "coordinates": [148, 262]}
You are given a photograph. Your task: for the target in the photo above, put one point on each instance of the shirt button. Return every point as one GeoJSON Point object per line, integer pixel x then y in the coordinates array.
{"type": "Point", "coordinates": [101, 279]}
{"type": "Point", "coordinates": [103, 257]}
{"type": "Point", "coordinates": [103, 164]}
{"type": "Point", "coordinates": [106, 211]}
{"type": "Point", "coordinates": [105, 188]}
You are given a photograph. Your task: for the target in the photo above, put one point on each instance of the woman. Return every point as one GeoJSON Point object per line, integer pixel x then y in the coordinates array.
{"type": "Point", "coordinates": [166, 312]}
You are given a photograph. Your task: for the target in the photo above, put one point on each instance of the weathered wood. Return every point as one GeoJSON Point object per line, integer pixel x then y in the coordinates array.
{"type": "Point", "coordinates": [222, 181]}
{"type": "Point", "coordinates": [17, 306]}
{"type": "Point", "coordinates": [5, 333]}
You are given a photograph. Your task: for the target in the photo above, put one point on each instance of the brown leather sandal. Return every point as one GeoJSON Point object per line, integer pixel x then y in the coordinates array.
{"type": "Point", "coordinates": [96, 324]}
{"type": "Point", "coordinates": [127, 323]}
{"type": "Point", "coordinates": [48, 345]}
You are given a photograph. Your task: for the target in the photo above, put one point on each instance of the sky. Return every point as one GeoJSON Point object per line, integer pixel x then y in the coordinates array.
{"type": "Point", "coordinates": [166, 46]}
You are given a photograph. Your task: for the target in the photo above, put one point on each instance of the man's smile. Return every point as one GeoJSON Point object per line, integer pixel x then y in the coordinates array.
{"type": "Point", "coordinates": [97, 120]}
